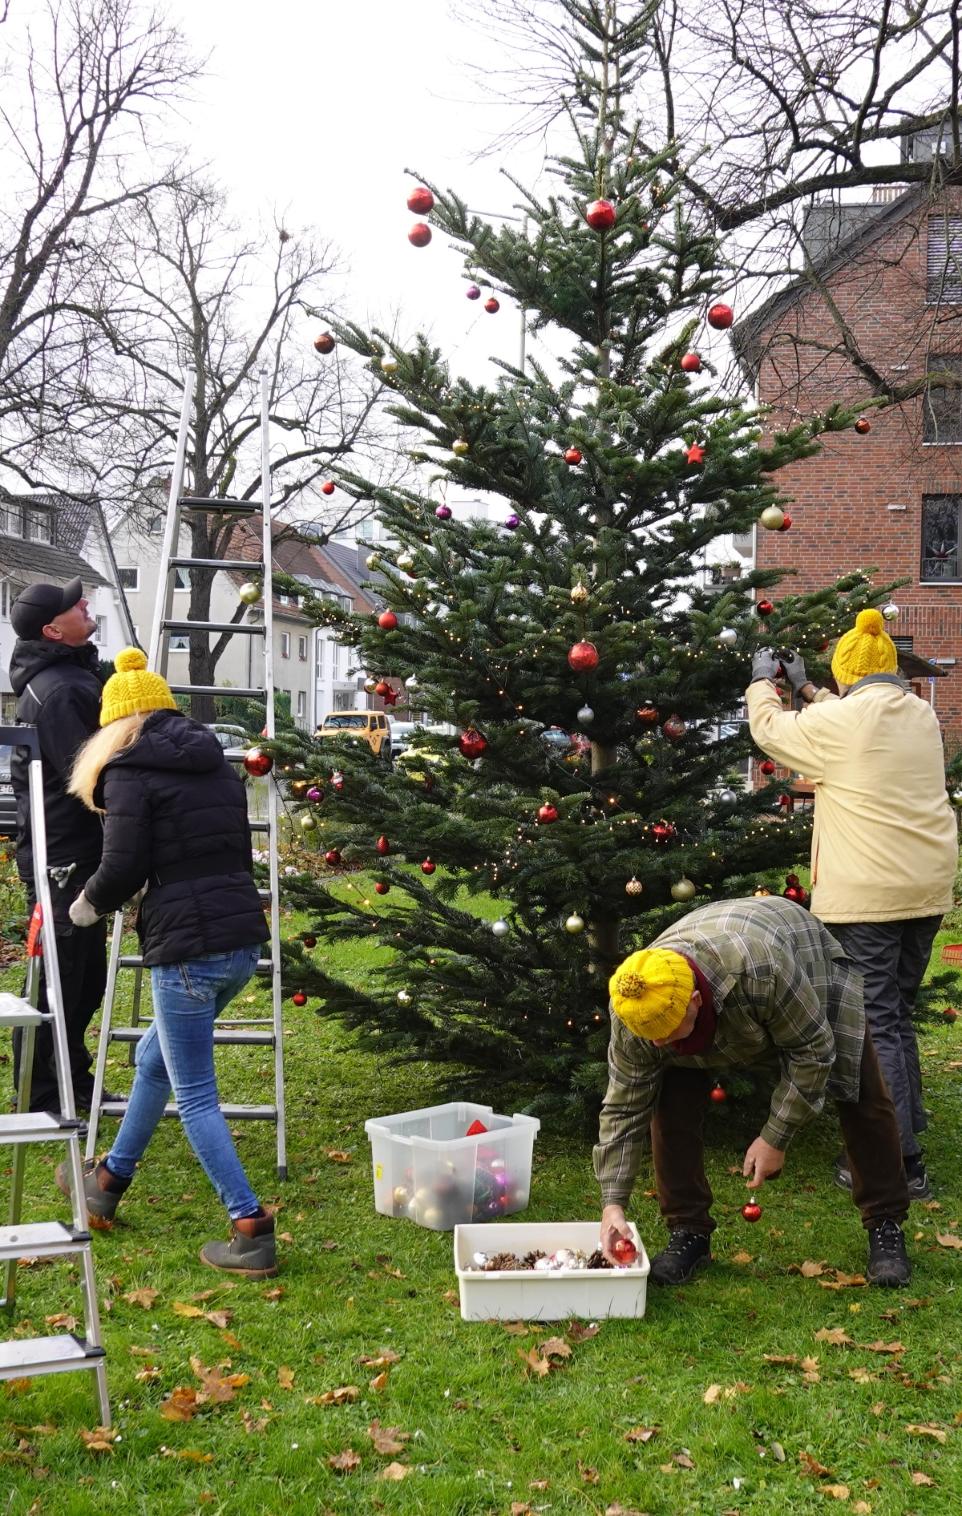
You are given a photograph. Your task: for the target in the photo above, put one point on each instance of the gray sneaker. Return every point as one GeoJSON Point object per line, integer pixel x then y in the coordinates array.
{"type": "Point", "coordinates": [251, 1251]}
{"type": "Point", "coordinates": [915, 1177]}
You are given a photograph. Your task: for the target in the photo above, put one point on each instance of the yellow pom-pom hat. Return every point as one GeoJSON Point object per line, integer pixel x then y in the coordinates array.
{"type": "Point", "coordinates": [650, 991]}
{"type": "Point", "coordinates": [133, 689]}
{"type": "Point", "coordinates": [866, 649]}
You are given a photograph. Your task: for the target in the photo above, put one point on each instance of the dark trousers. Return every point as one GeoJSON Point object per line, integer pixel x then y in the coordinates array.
{"type": "Point", "coordinates": [892, 957]}
{"type": "Point", "coordinates": [82, 954]}
{"type": "Point", "coordinates": [868, 1127]}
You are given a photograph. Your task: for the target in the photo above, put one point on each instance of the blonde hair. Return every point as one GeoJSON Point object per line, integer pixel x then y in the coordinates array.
{"type": "Point", "coordinates": [97, 752]}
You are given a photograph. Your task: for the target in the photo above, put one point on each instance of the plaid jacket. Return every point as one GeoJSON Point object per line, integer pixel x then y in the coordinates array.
{"type": "Point", "coordinates": [784, 992]}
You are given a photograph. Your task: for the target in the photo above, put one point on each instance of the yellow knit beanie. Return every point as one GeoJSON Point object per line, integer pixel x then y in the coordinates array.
{"type": "Point", "coordinates": [650, 991]}
{"type": "Point", "coordinates": [866, 649]}
{"type": "Point", "coordinates": [133, 689]}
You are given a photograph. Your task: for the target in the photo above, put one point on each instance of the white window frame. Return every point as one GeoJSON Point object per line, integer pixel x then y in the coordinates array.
{"type": "Point", "coordinates": [285, 644]}
{"type": "Point", "coordinates": [302, 649]}
{"type": "Point", "coordinates": [302, 702]}
{"type": "Point", "coordinates": [128, 568]}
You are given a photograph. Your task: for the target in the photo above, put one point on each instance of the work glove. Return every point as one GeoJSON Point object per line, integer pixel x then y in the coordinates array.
{"type": "Point", "coordinates": [794, 668]}
{"type": "Point", "coordinates": [82, 912]}
{"type": "Point", "coordinates": [765, 664]}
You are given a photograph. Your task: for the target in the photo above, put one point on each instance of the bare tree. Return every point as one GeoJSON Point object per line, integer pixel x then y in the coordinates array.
{"type": "Point", "coordinates": [85, 91]}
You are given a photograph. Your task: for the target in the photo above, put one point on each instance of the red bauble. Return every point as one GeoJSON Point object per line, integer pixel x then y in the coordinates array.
{"type": "Point", "coordinates": [719, 1094]}
{"type": "Point", "coordinates": [383, 846]}
{"type": "Point", "coordinates": [767, 766]}
{"type": "Point", "coordinates": [427, 867]}
{"type": "Point", "coordinates": [648, 714]}
{"type": "Point", "coordinates": [382, 887]}
{"type": "Point", "coordinates": [863, 425]}
{"type": "Point", "coordinates": [663, 831]}
{"type": "Point", "coordinates": [583, 657]}
{"type": "Point", "coordinates": [764, 607]}
{"type": "Point", "coordinates": [674, 728]}
{"type": "Point", "coordinates": [333, 857]}
{"type": "Point", "coordinates": [696, 453]}
{"type": "Point", "coordinates": [796, 893]}
{"type": "Point", "coordinates": [299, 998]}
{"type": "Point", "coordinates": [476, 1128]}
{"type": "Point", "coordinates": [547, 814]}
{"type": "Point", "coordinates": [572, 456]}
{"type": "Point", "coordinates": [623, 1250]}
{"type": "Point", "coordinates": [381, 688]}
{"type": "Point", "coordinates": [257, 762]}
{"type": "Point", "coordinates": [390, 696]}
{"type": "Point", "coordinates": [387, 621]}
{"type": "Point", "coordinates": [472, 743]}
{"type": "Point", "coordinates": [720, 316]}
{"type": "Point", "coordinates": [792, 879]}
{"type": "Point", "coordinates": [420, 234]}
{"type": "Point", "coordinates": [324, 343]}
{"type": "Point", "coordinates": [691, 363]}
{"type": "Point", "coordinates": [309, 941]}
{"type": "Point", "coordinates": [752, 1211]}
{"type": "Point", "coordinates": [420, 200]}
{"type": "Point", "coordinates": [600, 215]}
{"type": "Point", "coordinates": [950, 1013]}
{"type": "Point", "coordinates": [492, 306]}
{"type": "Point", "coordinates": [786, 523]}
{"type": "Point", "coordinates": [327, 488]}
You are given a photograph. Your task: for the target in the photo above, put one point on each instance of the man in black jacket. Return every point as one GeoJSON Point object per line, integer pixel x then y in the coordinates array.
{"type": "Point", "coordinates": [53, 674]}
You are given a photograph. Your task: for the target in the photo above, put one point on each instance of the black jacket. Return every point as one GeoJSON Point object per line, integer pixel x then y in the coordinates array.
{"type": "Point", "coordinates": [59, 693]}
{"type": "Point", "coordinates": [176, 819]}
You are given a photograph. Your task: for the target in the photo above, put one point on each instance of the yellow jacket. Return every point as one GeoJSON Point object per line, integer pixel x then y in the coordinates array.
{"type": "Point", "coordinates": [885, 845]}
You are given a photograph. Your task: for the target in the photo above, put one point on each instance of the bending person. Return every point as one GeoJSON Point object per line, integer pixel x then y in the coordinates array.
{"type": "Point", "coordinates": [175, 819]}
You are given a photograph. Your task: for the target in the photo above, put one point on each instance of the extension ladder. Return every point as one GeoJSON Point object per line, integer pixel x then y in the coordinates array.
{"type": "Point", "coordinates": [59, 1354]}
{"type": "Point", "coordinates": [231, 1029]}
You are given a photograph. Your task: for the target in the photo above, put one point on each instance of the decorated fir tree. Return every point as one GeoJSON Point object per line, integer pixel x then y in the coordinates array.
{"type": "Point", "coordinates": [504, 873]}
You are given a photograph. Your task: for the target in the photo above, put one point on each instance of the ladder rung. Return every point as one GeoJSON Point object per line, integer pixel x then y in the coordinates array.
{"type": "Point", "coordinates": [218, 689]}
{"type": "Point", "coordinates": [234, 565]}
{"type": "Point", "coordinates": [36, 1126]}
{"type": "Point", "coordinates": [47, 1355]}
{"type": "Point", "coordinates": [219, 507]}
{"type": "Point", "coordinates": [251, 628]}
{"type": "Point", "coordinates": [41, 1239]}
{"type": "Point", "coordinates": [230, 1112]}
{"type": "Point", "coordinates": [236, 1021]}
{"type": "Point", "coordinates": [135, 961]}
{"type": "Point", "coordinates": [15, 1011]}
{"type": "Point", "coordinates": [260, 826]}
{"type": "Point", "coordinates": [221, 1035]}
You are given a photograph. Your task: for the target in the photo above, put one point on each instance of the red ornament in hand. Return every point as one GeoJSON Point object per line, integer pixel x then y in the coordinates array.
{"type": "Point", "coordinates": [420, 200]}
{"type": "Point", "coordinates": [299, 998]}
{"type": "Point", "coordinates": [720, 316]}
{"type": "Point", "coordinates": [600, 215]}
{"type": "Point", "coordinates": [752, 1211]}
{"type": "Point", "coordinates": [691, 363]}
{"type": "Point", "coordinates": [764, 607]}
{"type": "Point", "coordinates": [719, 1094]}
{"type": "Point", "coordinates": [547, 814]}
{"type": "Point", "coordinates": [472, 743]}
{"type": "Point", "coordinates": [420, 234]}
{"type": "Point", "coordinates": [583, 657]}
{"type": "Point", "coordinates": [623, 1251]}
{"type": "Point", "coordinates": [387, 621]}
{"type": "Point", "coordinates": [573, 456]}
{"type": "Point", "coordinates": [324, 343]}
{"type": "Point", "coordinates": [257, 762]}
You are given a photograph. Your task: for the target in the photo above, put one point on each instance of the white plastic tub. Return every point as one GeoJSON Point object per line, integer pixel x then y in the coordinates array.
{"type": "Point", "coordinates": [530, 1295]}
{"type": "Point", "coordinates": [427, 1168]}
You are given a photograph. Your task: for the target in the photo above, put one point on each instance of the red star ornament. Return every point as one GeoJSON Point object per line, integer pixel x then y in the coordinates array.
{"type": "Point", "coordinates": [696, 453]}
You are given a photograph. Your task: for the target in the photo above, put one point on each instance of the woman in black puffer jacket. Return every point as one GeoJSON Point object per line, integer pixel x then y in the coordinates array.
{"type": "Point", "coordinates": [175, 824]}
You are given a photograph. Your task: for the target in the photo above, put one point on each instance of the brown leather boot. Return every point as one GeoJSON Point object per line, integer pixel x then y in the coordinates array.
{"type": "Point", "coordinates": [251, 1250]}
{"type": "Point", "coordinates": [102, 1192]}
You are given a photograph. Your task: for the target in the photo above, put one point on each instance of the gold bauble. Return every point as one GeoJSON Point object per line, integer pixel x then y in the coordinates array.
{"type": "Point", "coordinates": [249, 592]}
{"type": "Point", "coordinates": [299, 788]}
{"type": "Point", "coordinates": [683, 889]}
{"type": "Point", "coordinates": [575, 924]}
{"type": "Point", "coordinates": [307, 823]}
{"type": "Point", "coordinates": [370, 685]}
{"type": "Point", "coordinates": [772, 519]}
{"type": "Point", "coordinates": [388, 365]}
{"type": "Point", "coordinates": [579, 595]}
{"type": "Point", "coordinates": [634, 886]}
{"type": "Point", "coordinates": [460, 446]}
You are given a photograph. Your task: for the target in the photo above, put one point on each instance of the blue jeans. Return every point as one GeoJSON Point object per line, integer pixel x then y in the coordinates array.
{"type": "Point", "coordinates": [178, 1050]}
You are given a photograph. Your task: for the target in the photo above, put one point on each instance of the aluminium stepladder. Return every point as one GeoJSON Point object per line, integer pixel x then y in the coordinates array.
{"type": "Point", "coordinates": [24, 1357]}
{"type": "Point", "coordinates": [231, 1029]}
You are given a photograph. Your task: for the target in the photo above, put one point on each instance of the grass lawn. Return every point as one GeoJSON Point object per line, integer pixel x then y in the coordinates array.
{"type": "Point", "coordinates": [728, 1397]}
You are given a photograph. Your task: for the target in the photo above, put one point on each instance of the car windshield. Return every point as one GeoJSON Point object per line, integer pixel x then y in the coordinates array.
{"type": "Point", "coordinates": [351, 722]}
{"type": "Point", "coordinates": [6, 753]}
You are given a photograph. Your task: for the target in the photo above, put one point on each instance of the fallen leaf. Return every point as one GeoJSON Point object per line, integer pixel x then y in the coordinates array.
{"type": "Point", "coordinates": [340, 1396]}
{"type": "Point", "coordinates": [810, 1465]}
{"type": "Point", "coordinates": [520, 1508]}
{"type": "Point", "coordinates": [641, 1434]}
{"type": "Point", "coordinates": [837, 1491]}
{"type": "Point", "coordinates": [742, 1257]}
{"type": "Point", "coordinates": [862, 1376]}
{"type": "Point", "coordinates": [253, 1424]}
{"type": "Point", "coordinates": [379, 1382]}
{"type": "Point", "coordinates": [919, 1478]}
{"type": "Point", "coordinates": [220, 1319]}
{"type": "Point", "coordinates": [204, 1295]}
{"type": "Point", "coordinates": [181, 1308]}
{"type": "Point", "coordinates": [862, 1507]}
{"type": "Point", "coordinates": [578, 1331]}
{"type": "Point", "coordinates": [534, 1362]}
{"type": "Point", "coordinates": [230, 1341]}
{"type": "Point", "coordinates": [811, 1270]}
{"type": "Point", "coordinates": [778, 1452]}
{"type": "Point", "coordinates": [395, 1471]}
{"type": "Point", "coordinates": [344, 1463]}
{"type": "Point", "coordinates": [100, 1440]}
{"type": "Point", "coordinates": [285, 1377]}
{"type": "Point", "coordinates": [142, 1352]}
{"type": "Point", "coordinates": [588, 1475]}
{"type": "Point", "coordinates": [189, 1455]}
{"type": "Point", "coordinates": [451, 1297]}
{"type": "Point", "coordinates": [683, 1460]}
{"type": "Point", "coordinates": [881, 1347]}
{"type": "Point", "coordinates": [150, 1371]}
{"type": "Point", "coordinates": [387, 1439]}
{"type": "Point", "coordinates": [516, 1328]}
{"type": "Point", "coordinates": [926, 1429]}
{"type": "Point", "coordinates": [809, 1368]}
{"type": "Point", "coordinates": [217, 1388]}
{"type": "Point", "coordinates": [539, 1484]}
{"type": "Point", "coordinates": [276, 1293]}
{"type": "Point", "coordinates": [181, 1404]}
{"type": "Point", "coordinates": [836, 1336]}
{"type": "Point", "coordinates": [555, 1347]}
{"type": "Point", "coordinates": [384, 1359]}
{"type": "Point", "coordinates": [622, 1510]}
{"type": "Point", "coordinates": [712, 1394]}
{"type": "Point", "coordinates": [338, 1155]}
{"type": "Point", "coordinates": [62, 1319]}
{"type": "Point", "coordinates": [285, 1237]}
{"type": "Point", "coordinates": [144, 1298]}
{"type": "Point", "coordinates": [948, 1240]}
{"type": "Point", "coordinates": [789, 1360]}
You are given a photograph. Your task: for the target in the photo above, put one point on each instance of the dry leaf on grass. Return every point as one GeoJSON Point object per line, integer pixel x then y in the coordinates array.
{"type": "Point", "coordinates": [142, 1352]}
{"type": "Point", "coordinates": [843, 1281]}
{"type": "Point", "coordinates": [148, 1372]}
{"type": "Point", "coordinates": [837, 1337]}
{"type": "Point", "coordinates": [534, 1363]}
{"type": "Point", "coordinates": [338, 1155]}
{"type": "Point", "coordinates": [683, 1459]}
{"type": "Point", "coordinates": [810, 1269]}
{"type": "Point", "coordinates": [520, 1508]}
{"type": "Point", "coordinates": [539, 1484]}
{"type": "Point", "coordinates": [921, 1479]}
{"type": "Point", "coordinates": [230, 1341]}
{"type": "Point", "coordinates": [641, 1434]}
{"type": "Point", "coordinates": [182, 1404]}
{"type": "Point", "coordinates": [285, 1377]}
{"type": "Point", "coordinates": [382, 1360]}
{"type": "Point", "coordinates": [580, 1331]}
{"type": "Point", "coordinates": [948, 1240]}
{"type": "Point", "coordinates": [144, 1298]}
{"type": "Point", "coordinates": [588, 1475]}
{"type": "Point", "coordinates": [617, 1509]}
{"type": "Point", "coordinates": [881, 1347]}
{"type": "Point", "coordinates": [862, 1376]}
{"type": "Point", "coordinates": [716, 1392]}
{"type": "Point", "coordinates": [277, 1293]}
{"type": "Point", "coordinates": [187, 1455]}
{"type": "Point", "coordinates": [220, 1319]}
{"type": "Point", "coordinates": [395, 1471]}
{"type": "Point", "coordinates": [811, 1466]}
{"type": "Point", "coordinates": [341, 1396]}
{"type": "Point", "coordinates": [555, 1347]}
{"type": "Point", "coordinates": [100, 1440]}
{"type": "Point", "coordinates": [62, 1319]}
{"type": "Point", "coordinates": [254, 1424]}
{"type": "Point", "coordinates": [515, 1328]}
{"type": "Point", "coordinates": [926, 1429]}
{"type": "Point", "coordinates": [181, 1308]}
{"type": "Point", "coordinates": [344, 1463]}
{"type": "Point", "coordinates": [379, 1382]}
{"type": "Point", "coordinates": [742, 1257]}
{"type": "Point", "coordinates": [387, 1439]}
{"type": "Point", "coordinates": [836, 1491]}
{"type": "Point", "coordinates": [862, 1507]}
{"type": "Point", "coordinates": [787, 1360]}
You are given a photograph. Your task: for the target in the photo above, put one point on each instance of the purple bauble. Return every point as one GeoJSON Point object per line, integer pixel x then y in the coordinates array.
{"type": "Point", "coordinates": [472, 292]}
{"type": "Point", "coordinates": [315, 794]}
{"type": "Point", "coordinates": [512, 523]}
{"type": "Point", "coordinates": [443, 512]}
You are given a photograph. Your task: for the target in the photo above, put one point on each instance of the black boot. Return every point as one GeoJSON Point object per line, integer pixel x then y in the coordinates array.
{"type": "Point", "coordinates": [888, 1262]}
{"type": "Point", "coordinates": [685, 1254]}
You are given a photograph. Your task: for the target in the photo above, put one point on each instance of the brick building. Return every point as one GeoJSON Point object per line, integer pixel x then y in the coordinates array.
{"type": "Point", "coordinates": [892, 498]}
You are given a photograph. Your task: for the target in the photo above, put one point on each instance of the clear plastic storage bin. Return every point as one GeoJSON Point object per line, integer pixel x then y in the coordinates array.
{"type": "Point", "coordinates": [528, 1295]}
{"type": "Point", "coordinates": [428, 1169]}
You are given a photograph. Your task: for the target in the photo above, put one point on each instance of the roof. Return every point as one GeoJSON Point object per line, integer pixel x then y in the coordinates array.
{"type": "Point", "coordinates": [31, 561]}
{"type": "Point", "coordinates": [73, 513]}
{"type": "Point", "coordinates": [747, 334]}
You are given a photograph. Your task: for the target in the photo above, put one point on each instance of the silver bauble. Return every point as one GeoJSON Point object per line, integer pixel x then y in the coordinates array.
{"type": "Point", "coordinates": [891, 612]}
{"type": "Point", "coordinates": [956, 798]}
{"type": "Point", "coordinates": [727, 636]}
{"type": "Point", "coordinates": [403, 997]}
{"type": "Point", "coordinates": [500, 928]}
{"type": "Point", "coordinates": [405, 562]}
{"type": "Point", "coordinates": [726, 797]}
{"type": "Point", "coordinates": [411, 683]}
{"type": "Point", "coordinates": [586, 715]}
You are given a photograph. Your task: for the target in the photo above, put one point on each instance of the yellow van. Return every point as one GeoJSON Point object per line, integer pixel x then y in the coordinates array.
{"type": "Point", "coordinates": [363, 726]}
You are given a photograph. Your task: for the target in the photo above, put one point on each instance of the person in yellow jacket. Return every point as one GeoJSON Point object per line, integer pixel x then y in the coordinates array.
{"type": "Point", "coordinates": [885, 845]}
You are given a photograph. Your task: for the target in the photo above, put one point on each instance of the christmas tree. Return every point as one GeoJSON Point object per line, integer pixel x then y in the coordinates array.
{"type": "Point", "coordinates": [508, 873]}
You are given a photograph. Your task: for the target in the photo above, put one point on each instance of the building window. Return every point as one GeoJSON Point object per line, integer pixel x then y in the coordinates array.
{"type": "Point", "coordinates": [155, 526]}
{"type": "Point", "coordinates": [39, 526]}
{"type": "Point", "coordinates": [942, 406]}
{"type": "Point", "coordinates": [943, 284]}
{"type": "Point", "coordinates": [285, 644]}
{"type": "Point", "coordinates": [302, 649]}
{"type": "Point", "coordinates": [940, 537]}
{"type": "Point", "coordinates": [179, 642]}
{"type": "Point", "coordinates": [320, 654]}
{"type": "Point", "coordinates": [100, 635]}
{"type": "Point", "coordinates": [181, 579]}
{"type": "Point", "coordinates": [11, 521]}
{"type": "Point", "coordinates": [302, 703]}
{"type": "Point", "coordinates": [128, 578]}
{"type": "Point", "coordinates": [7, 597]}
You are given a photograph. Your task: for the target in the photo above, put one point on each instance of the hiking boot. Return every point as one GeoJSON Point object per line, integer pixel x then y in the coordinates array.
{"type": "Point", "coordinates": [686, 1252]}
{"type": "Point", "coordinates": [888, 1262]}
{"type": "Point", "coordinates": [102, 1192]}
{"type": "Point", "coordinates": [251, 1250]}
{"type": "Point", "coordinates": [917, 1178]}
{"type": "Point", "coordinates": [82, 1100]}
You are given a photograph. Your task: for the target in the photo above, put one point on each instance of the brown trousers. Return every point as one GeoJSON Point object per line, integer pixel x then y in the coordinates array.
{"type": "Point", "coordinates": [869, 1129]}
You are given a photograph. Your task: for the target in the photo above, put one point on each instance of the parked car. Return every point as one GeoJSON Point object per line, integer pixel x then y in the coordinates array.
{"type": "Point", "coordinates": [363, 726]}
{"type": "Point", "coordinates": [402, 733]}
{"type": "Point", "coordinates": [233, 739]}
{"type": "Point", "coordinates": [8, 801]}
